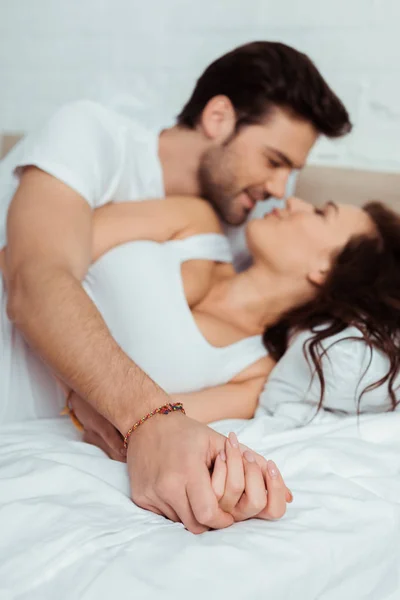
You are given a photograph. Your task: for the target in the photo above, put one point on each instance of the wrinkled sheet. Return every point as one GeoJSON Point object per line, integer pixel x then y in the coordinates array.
{"type": "Point", "coordinates": [68, 529]}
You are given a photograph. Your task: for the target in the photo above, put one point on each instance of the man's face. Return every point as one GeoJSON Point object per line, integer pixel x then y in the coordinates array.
{"type": "Point", "coordinates": [254, 164]}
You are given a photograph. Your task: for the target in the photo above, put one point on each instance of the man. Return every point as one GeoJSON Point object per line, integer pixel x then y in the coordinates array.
{"type": "Point", "coordinates": [253, 117]}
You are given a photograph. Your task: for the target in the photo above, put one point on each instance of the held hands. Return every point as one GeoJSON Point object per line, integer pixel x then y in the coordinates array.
{"type": "Point", "coordinates": [169, 462]}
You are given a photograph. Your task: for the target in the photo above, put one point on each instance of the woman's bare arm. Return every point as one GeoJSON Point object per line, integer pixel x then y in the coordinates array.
{"type": "Point", "coordinates": [234, 400]}
{"type": "Point", "coordinates": [158, 220]}
{"type": "Point", "coordinates": [229, 401]}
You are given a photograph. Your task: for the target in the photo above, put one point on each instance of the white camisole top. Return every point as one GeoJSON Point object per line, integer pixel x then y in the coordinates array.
{"type": "Point", "coordinates": [139, 291]}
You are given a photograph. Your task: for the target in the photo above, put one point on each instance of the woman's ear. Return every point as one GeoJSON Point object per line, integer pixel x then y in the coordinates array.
{"type": "Point", "coordinates": [319, 272]}
{"type": "Point", "coordinates": [218, 119]}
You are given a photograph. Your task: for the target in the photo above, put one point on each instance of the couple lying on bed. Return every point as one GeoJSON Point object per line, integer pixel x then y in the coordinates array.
{"type": "Point", "coordinates": [163, 280]}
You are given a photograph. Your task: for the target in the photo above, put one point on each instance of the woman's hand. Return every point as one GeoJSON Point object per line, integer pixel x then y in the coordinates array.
{"type": "Point", "coordinates": [96, 429]}
{"type": "Point", "coordinates": [244, 488]}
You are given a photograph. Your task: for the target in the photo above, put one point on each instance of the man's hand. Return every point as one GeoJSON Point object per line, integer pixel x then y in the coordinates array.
{"type": "Point", "coordinates": [169, 459]}
{"type": "Point", "coordinates": [169, 462]}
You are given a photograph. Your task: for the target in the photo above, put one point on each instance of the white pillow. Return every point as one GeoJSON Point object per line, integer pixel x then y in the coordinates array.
{"type": "Point", "coordinates": [292, 392]}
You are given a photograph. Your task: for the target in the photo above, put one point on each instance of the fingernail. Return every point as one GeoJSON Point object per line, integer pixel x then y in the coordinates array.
{"type": "Point", "coordinates": [222, 455]}
{"type": "Point", "coordinates": [290, 496]}
{"type": "Point", "coordinates": [272, 469]}
{"type": "Point", "coordinates": [249, 456]}
{"type": "Point", "coordinates": [233, 440]}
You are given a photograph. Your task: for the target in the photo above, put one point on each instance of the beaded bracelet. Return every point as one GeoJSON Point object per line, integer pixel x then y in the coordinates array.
{"type": "Point", "coordinates": [163, 410]}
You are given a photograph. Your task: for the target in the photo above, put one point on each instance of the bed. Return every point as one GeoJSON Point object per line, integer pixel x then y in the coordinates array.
{"type": "Point", "coordinates": [68, 529]}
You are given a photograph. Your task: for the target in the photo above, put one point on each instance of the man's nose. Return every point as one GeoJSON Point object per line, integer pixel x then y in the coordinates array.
{"type": "Point", "coordinates": [276, 185]}
{"type": "Point", "coordinates": [294, 204]}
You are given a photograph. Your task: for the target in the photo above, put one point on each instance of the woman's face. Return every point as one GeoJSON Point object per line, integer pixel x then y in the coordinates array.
{"type": "Point", "coordinates": [301, 241]}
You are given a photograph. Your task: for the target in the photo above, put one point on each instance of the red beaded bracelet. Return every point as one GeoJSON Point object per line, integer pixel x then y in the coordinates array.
{"type": "Point", "coordinates": [165, 409]}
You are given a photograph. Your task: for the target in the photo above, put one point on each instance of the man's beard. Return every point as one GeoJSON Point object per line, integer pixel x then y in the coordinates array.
{"type": "Point", "coordinates": [217, 185]}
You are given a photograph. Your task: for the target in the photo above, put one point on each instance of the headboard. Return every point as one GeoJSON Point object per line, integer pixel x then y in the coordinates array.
{"type": "Point", "coordinates": [320, 184]}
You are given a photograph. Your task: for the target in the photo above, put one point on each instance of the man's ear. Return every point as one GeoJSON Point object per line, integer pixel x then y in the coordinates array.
{"type": "Point", "coordinates": [218, 119]}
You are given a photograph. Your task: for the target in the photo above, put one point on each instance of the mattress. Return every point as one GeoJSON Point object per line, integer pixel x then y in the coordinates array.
{"type": "Point", "coordinates": [68, 529]}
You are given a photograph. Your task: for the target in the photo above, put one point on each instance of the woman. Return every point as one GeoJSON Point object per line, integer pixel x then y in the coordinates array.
{"type": "Point", "coordinates": [177, 307]}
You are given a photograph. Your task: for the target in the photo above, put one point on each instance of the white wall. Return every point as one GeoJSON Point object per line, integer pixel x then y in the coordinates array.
{"type": "Point", "coordinates": [53, 51]}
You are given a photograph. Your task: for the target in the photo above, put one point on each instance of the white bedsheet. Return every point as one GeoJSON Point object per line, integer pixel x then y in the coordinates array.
{"type": "Point", "coordinates": [68, 529]}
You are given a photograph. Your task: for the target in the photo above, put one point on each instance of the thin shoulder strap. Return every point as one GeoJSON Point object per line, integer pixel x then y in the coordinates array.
{"type": "Point", "coordinates": [207, 246]}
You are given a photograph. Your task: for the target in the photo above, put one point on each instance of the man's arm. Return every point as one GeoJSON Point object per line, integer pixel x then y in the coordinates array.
{"type": "Point", "coordinates": [49, 238]}
{"type": "Point", "coordinates": [49, 233]}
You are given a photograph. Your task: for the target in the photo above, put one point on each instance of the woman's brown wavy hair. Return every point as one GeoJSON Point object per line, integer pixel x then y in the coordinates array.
{"type": "Point", "coordinates": [362, 290]}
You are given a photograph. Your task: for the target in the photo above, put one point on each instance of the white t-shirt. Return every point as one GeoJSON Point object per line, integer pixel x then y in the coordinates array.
{"type": "Point", "coordinates": [99, 153]}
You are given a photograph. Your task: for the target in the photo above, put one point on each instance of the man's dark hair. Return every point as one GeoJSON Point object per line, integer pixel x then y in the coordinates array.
{"type": "Point", "coordinates": [259, 76]}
